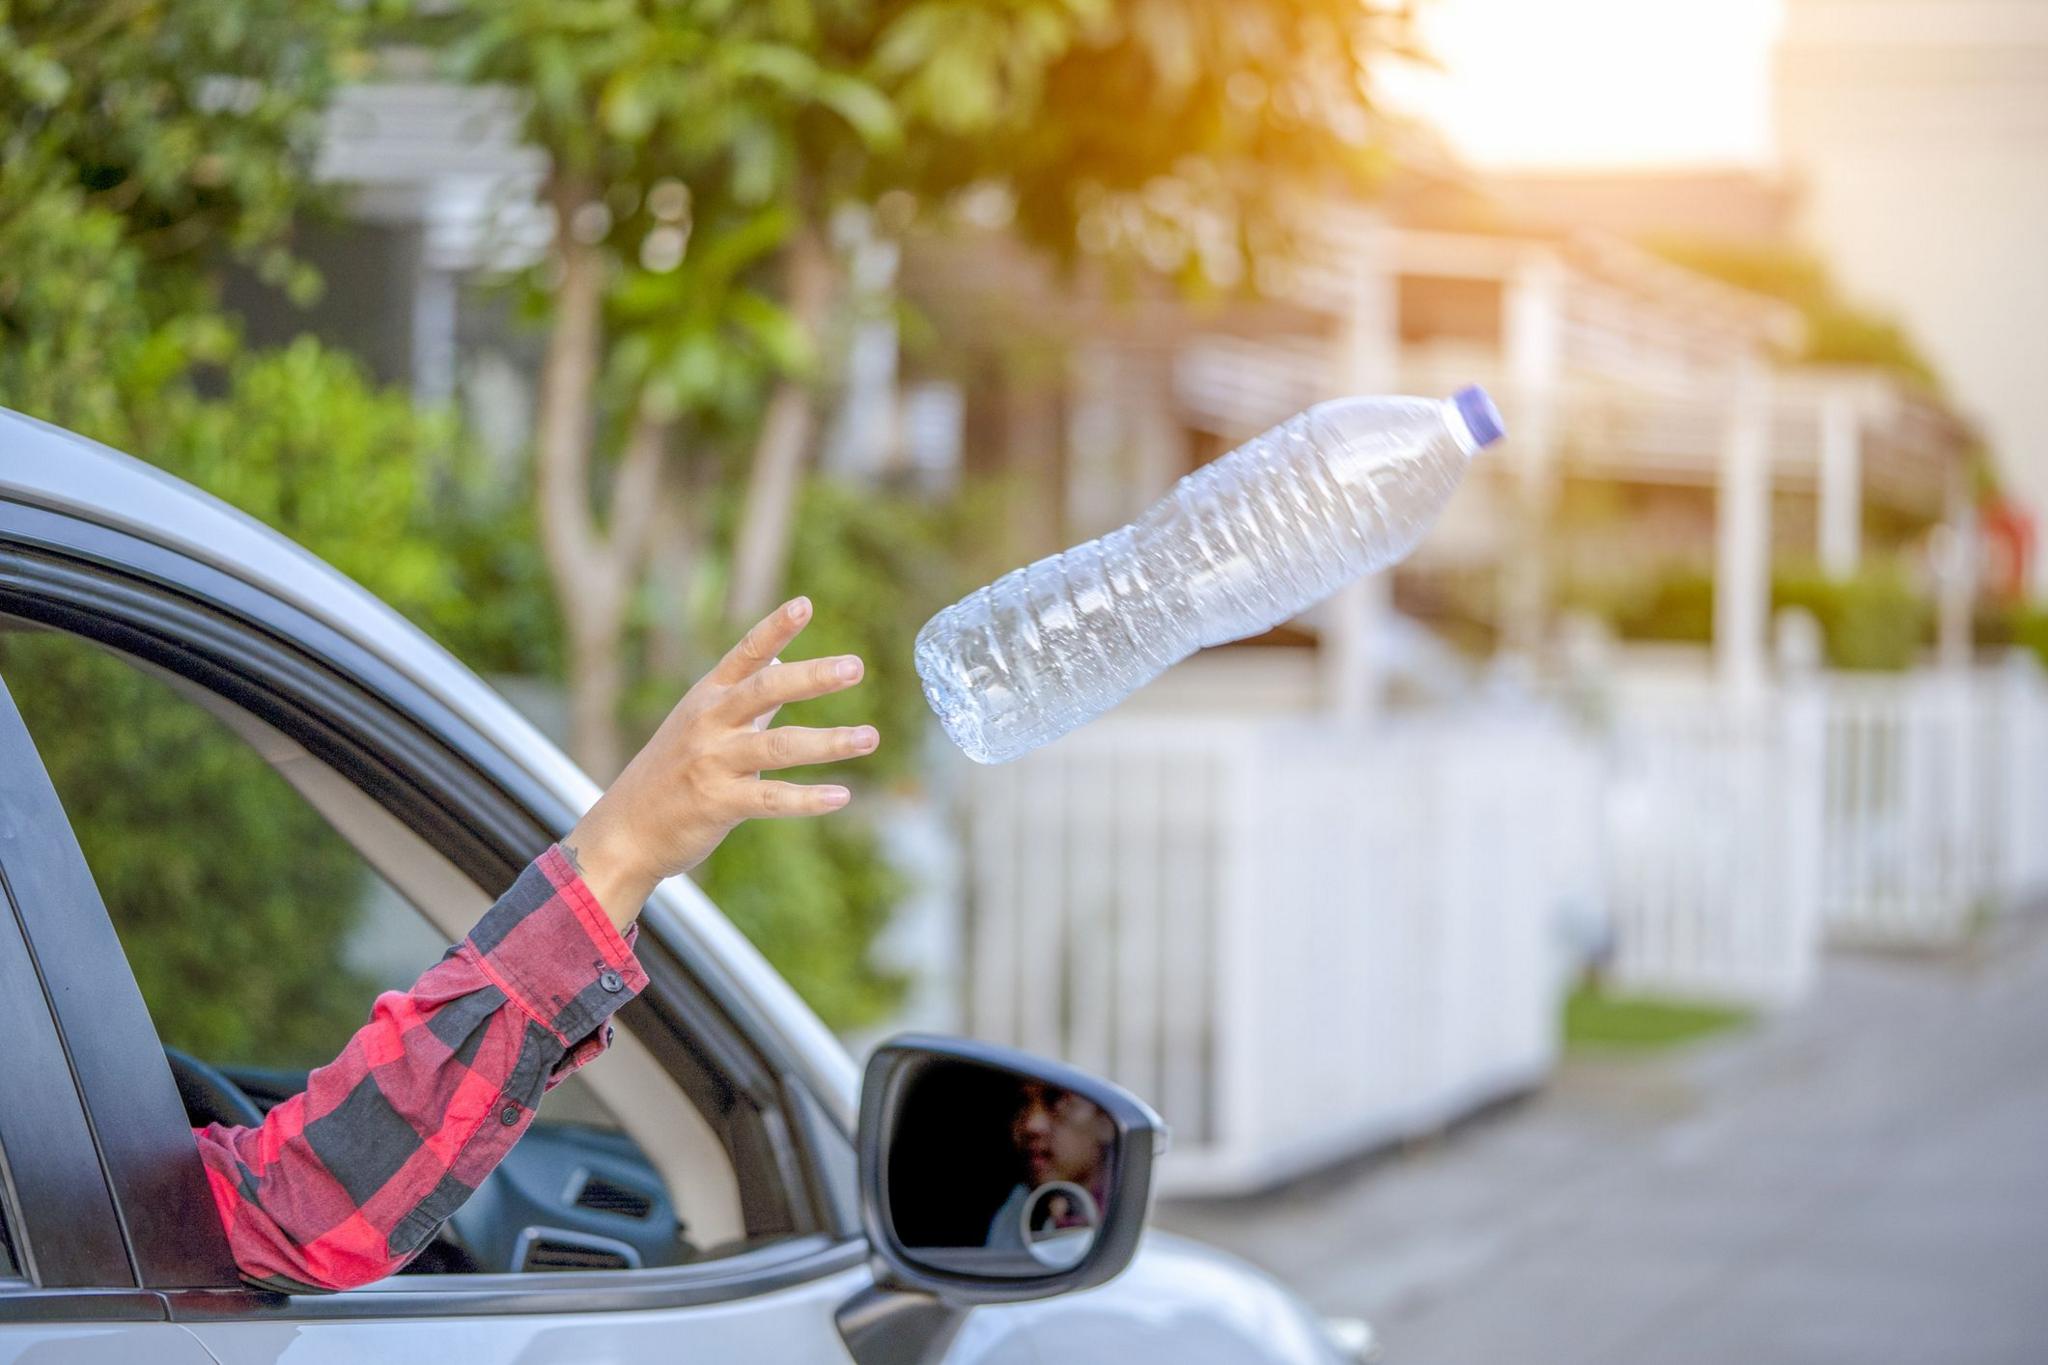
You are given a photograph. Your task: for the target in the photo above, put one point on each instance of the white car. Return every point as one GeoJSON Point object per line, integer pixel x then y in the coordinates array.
{"type": "Point", "coordinates": [720, 1187]}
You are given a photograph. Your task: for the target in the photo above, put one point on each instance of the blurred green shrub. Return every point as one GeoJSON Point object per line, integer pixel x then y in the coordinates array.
{"type": "Point", "coordinates": [232, 896]}
{"type": "Point", "coordinates": [2014, 625]}
{"type": "Point", "coordinates": [1872, 621]}
{"type": "Point", "coordinates": [1875, 620]}
{"type": "Point", "coordinates": [1674, 605]}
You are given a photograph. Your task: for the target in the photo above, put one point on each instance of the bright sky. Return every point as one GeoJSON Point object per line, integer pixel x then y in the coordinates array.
{"type": "Point", "coordinates": [1538, 84]}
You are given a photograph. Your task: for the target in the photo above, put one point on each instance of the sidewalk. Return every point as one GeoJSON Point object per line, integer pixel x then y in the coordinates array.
{"type": "Point", "coordinates": [1863, 1181]}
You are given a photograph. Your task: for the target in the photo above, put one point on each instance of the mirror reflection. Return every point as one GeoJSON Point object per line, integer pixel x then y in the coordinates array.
{"type": "Point", "coordinates": [992, 1173]}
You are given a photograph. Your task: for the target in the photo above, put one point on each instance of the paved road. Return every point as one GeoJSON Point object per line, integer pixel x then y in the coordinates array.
{"type": "Point", "coordinates": [1860, 1183]}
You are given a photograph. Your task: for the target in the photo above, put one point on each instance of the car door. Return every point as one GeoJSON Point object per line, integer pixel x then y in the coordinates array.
{"type": "Point", "coordinates": [384, 732]}
{"type": "Point", "coordinates": [368, 752]}
{"type": "Point", "coordinates": [69, 1289]}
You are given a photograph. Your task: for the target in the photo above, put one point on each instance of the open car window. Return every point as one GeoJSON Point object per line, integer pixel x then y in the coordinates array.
{"type": "Point", "coordinates": [263, 900]}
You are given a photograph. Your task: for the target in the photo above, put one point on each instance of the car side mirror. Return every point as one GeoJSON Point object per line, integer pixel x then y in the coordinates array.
{"type": "Point", "coordinates": [989, 1175]}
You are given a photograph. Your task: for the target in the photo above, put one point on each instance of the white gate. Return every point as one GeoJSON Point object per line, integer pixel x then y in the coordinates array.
{"type": "Point", "coordinates": [1297, 943]}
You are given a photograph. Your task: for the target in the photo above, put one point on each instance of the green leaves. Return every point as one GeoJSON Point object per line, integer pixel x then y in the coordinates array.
{"type": "Point", "coordinates": [968, 68]}
{"type": "Point", "coordinates": [715, 95]}
{"type": "Point", "coordinates": [705, 337]}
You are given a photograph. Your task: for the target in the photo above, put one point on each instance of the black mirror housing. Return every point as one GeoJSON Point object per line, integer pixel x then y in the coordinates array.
{"type": "Point", "coordinates": [946, 1124]}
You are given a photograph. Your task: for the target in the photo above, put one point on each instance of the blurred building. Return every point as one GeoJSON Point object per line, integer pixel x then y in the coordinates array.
{"type": "Point", "coordinates": [1918, 133]}
{"type": "Point", "coordinates": [1651, 432]}
{"type": "Point", "coordinates": [1736, 206]}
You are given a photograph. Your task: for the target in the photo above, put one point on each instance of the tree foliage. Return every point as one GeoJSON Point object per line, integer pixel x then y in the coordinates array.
{"type": "Point", "coordinates": [142, 147]}
{"type": "Point", "coordinates": [1189, 136]}
{"type": "Point", "coordinates": [1838, 332]}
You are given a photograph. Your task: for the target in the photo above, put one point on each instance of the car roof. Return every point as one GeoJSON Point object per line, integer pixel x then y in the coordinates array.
{"type": "Point", "coordinates": [45, 466]}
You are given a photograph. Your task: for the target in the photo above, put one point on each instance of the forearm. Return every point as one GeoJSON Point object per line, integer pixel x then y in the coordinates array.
{"type": "Point", "coordinates": [343, 1183]}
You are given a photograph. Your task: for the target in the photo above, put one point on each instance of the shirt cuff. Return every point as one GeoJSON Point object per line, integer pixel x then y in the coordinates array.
{"type": "Point", "coordinates": [549, 946]}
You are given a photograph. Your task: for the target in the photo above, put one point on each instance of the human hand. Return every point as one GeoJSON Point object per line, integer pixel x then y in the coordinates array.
{"type": "Point", "coordinates": [700, 775]}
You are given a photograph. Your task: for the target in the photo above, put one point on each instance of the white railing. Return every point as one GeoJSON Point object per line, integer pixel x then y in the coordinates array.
{"type": "Point", "coordinates": [1297, 943]}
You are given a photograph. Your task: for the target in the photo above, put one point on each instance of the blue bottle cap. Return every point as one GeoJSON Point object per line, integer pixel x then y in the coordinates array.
{"type": "Point", "coordinates": [1481, 417]}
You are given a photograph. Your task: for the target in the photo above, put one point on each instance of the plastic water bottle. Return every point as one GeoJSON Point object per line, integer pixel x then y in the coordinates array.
{"type": "Point", "coordinates": [1239, 546]}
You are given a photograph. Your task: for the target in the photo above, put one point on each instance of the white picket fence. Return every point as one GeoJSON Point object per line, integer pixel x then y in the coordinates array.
{"type": "Point", "coordinates": [1936, 800]}
{"type": "Point", "coordinates": [1297, 944]}
{"type": "Point", "coordinates": [1714, 817]}
{"type": "Point", "coordinates": [1849, 808]}
{"type": "Point", "coordinates": [1301, 941]}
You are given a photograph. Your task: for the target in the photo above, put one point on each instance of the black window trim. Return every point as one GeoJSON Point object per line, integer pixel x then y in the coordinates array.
{"type": "Point", "coordinates": [68, 1238]}
{"type": "Point", "coordinates": [265, 655]}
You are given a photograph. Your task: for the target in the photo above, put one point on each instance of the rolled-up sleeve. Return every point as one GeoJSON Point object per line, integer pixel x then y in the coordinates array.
{"type": "Point", "coordinates": [343, 1183]}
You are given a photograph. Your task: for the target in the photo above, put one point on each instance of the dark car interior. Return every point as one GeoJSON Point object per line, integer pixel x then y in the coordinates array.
{"type": "Point", "coordinates": [568, 1196]}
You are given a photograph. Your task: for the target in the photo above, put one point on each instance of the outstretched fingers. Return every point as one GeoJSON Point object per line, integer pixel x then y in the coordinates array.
{"type": "Point", "coordinates": [777, 800]}
{"type": "Point", "coordinates": [758, 647]}
{"type": "Point", "coordinates": [779, 684]}
{"type": "Point", "coordinates": [795, 746]}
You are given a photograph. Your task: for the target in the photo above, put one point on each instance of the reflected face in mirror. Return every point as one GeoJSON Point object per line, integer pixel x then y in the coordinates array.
{"type": "Point", "coordinates": [1059, 1134]}
{"type": "Point", "coordinates": [992, 1173]}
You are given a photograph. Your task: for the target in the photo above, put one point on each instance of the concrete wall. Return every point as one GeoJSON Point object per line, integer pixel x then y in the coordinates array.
{"type": "Point", "coordinates": [1920, 131]}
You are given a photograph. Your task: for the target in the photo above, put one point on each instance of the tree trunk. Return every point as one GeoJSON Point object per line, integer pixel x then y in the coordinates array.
{"type": "Point", "coordinates": [774, 478]}
{"type": "Point", "coordinates": [596, 684]}
{"type": "Point", "coordinates": [593, 572]}
{"type": "Point", "coordinates": [675, 541]}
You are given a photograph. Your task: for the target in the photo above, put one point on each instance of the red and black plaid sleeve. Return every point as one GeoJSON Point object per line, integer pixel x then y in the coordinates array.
{"type": "Point", "coordinates": [342, 1184]}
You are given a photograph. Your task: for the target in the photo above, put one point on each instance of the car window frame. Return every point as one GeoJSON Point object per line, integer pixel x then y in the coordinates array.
{"type": "Point", "coordinates": [163, 608]}
{"type": "Point", "coordinates": [73, 1257]}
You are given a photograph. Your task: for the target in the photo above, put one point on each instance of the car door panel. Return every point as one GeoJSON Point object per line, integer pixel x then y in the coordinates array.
{"type": "Point", "coordinates": [159, 1343]}
{"type": "Point", "coordinates": [789, 1324]}
{"type": "Point", "coordinates": [794, 1324]}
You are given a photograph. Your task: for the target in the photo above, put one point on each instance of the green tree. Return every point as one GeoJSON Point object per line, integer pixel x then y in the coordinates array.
{"type": "Point", "coordinates": [144, 146]}
{"type": "Point", "coordinates": [701, 153]}
{"type": "Point", "coordinates": [700, 150]}
{"type": "Point", "coordinates": [686, 280]}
